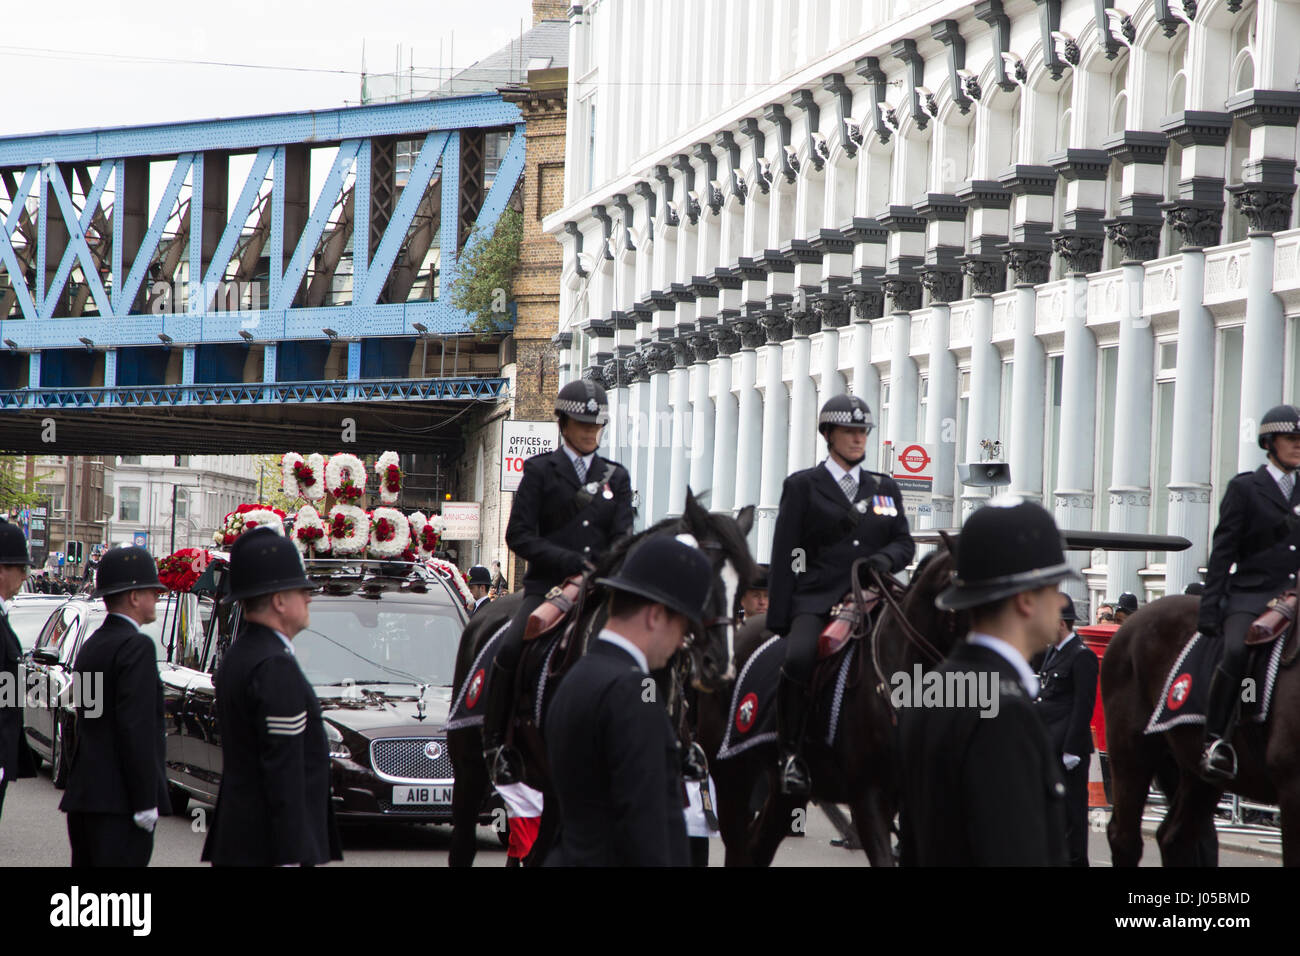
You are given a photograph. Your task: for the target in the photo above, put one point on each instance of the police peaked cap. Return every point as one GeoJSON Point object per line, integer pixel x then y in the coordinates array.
{"type": "Point", "coordinates": [479, 575]}
{"type": "Point", "coordinates": [1128, 603]}
{"type": "Point", "coordinates": [13, 545]}
{"type": "Point", "coordinates": [1278, 420]}
{"type": "Point", "coordinates": [126, 569]}
{"type": "Point", "coordinates": [263, 561]}
{"type": "Point", "coordinates": [1008, 546]}
{"type": "Point", "coordinates": [668, 572]}
{"type": "Point", "coordinates": [847, 411]}
{"type": "Point", "coordinates": [583, 401]}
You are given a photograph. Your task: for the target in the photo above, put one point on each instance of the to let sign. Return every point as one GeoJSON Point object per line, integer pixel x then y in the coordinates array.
{"type": "Point", "coordinates": [519, 442]}
{"type": "Point", "coordinates": [461, 518]}
{"type": "Point", "coordinates": [914, 473]}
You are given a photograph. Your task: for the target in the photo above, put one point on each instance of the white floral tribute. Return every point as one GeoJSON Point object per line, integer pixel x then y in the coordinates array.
{"type": "Point", "coordinates": [345, 477]}
{"type": "Point", "coordinates": [316, 490]}
{"type": "Point", "coordinates": [288, 480]}
{"type": "Point", "coordinates": [309, 532]}
{"type": "Point", "coordinates": [388, 475]}
{"type": "Point", "coordinates": [449, 571]}
{"type": "Point", "coordinates": [390, 533]}
{"type": "Point", "coordinates": [349, 529]}
{"type": "Point", "coordinates": [258, 517]}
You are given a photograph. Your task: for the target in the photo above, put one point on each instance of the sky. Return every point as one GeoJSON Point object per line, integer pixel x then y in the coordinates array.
{"type": "Point", "coordinates": [76, 64]}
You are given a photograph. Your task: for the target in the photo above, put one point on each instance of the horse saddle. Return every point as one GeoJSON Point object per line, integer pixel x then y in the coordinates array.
{"type": "Point", "coordinates": [848, 621]}
{"type": "Point", "coordinates": [560, 604]}
{"type": "Point", "coordinates": [1276, 622]}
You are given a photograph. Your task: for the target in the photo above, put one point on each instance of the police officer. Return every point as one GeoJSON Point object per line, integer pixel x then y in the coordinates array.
{"type": "Point", "coordinates": [570, 507]}
{"type": "Point", "coordinates": [614, 757]}
{"type": "Point", "coordinates": [831, 515]}
{"type": "Point", "coordinates": [117, 778]}
{"type": "Point", "coordinates": [273, 808]}
{"type": "Point", "coordinates": [982, 784]}
{"type": "Point", "coordinates": [479, 580]}
{"type": "Point", "coordinates": [15, 756]}
{"type": "Point", "coordinates": [1253, 558]}
{"type": "Point", "coordinates": [754, 601]}
{"type": "Point", "coordinates": [1125, 607]}
{"type": "Point", "coordinates": [1067, 696]}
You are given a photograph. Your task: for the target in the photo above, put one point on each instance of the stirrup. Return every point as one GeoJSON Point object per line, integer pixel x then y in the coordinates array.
{"type": "Point", "coordinates": [1216, 754]}
{"type": "Point", "coordinates": [794, 777]}
{"type": "Point", "coordinates": [505, 766]}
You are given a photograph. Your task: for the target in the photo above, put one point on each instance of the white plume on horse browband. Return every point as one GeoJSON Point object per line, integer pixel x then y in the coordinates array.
{"type": "Point", "coordinates": [731, 581]}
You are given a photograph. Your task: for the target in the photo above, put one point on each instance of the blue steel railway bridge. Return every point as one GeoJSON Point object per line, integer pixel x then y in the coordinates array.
{"type": "Point", "coordinates": [244, 285]}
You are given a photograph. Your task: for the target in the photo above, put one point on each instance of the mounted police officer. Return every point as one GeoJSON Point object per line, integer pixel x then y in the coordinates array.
{"type": "Point", "coordinates": [117, 778]}
{"type": "Point", "coordinates": [570, 507]}
{"type": "Point", "coordinates": [982, 782]}
{"type": "Point", "coordinates": [1253, 558]}
{"type": "Point", "coordinates": [615, 763]}
{"type": "Point", "coordinates": [15, 756]}
{"type": "Point", "coordinates": [831, 515]}
{"type": "Point", "coordinates": [273, 808]}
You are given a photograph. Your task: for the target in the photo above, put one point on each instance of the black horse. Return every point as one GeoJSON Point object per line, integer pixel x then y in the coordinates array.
{"type": "Point", "coordinates": [722, 538]}
{"type": "Point", "coordinates": [861, 769]}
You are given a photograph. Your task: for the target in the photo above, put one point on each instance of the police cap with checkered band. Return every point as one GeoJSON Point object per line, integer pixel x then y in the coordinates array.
{"type": "Point", "coordinates": [1278, 420]}
{"type": "Point", "coordinates": [583, 401]}
{"type": "Point", "coordinates": [847, 411]}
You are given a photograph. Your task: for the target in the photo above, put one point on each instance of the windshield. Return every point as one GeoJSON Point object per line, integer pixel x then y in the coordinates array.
{"type": "Point", "coordinates": [389, 641]}
{"type": "Point", "coordinates": [28, 618]}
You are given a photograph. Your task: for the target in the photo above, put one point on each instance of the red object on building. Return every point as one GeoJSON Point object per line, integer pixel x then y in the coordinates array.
{"type": "Point", "coordinates": [1097, 637]}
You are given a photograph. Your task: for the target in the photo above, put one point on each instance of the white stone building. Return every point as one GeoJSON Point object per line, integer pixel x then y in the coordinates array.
{"type": "Point", "coordinates": [208, 487]}
{"type": "Point", "coordinates": [1009, 221]}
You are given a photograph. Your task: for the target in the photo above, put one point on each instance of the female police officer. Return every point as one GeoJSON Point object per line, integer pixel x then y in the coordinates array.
{"type": "Point", "coordinates": [570, 507]}
{"type": "Point", "coordinates": [1253, 559]}
{"type": "Point", "coordinates": [831, 515]}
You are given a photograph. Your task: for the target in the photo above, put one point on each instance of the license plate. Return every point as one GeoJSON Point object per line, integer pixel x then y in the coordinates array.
{"type": "Point", "coordinates": [425, 795]}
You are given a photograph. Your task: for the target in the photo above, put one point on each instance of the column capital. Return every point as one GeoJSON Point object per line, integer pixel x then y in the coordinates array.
{"type": "Point", "coordinates": [1266, 206]}
{"type": "Point", "coordinates": [1138, 238]}
{"type": "Point", "coordinates": [944, 284]}
{"type": "Point", "coordinates": [562, 340]}
{"type": "Point", "coordinates": [831, 309]}
{"type": "Point", "coordinates": [751, 331]}
{"type": "Point", "coordinates": [776, 323]}
{"type": "Point", "coordinates": [1198, 223]}
{"type": "Point", "coordinates": [1080, 251]}
{"type": "Point", "coordinates": [637, 366]}
{"type": "Point", "coordinates": [988, 276]}
{"type": "Point", "coordinates": [867, 301]}
{"type": "Point", "coordinates": [1032, 264]}
{"type": "Point", "coordinates": [596, 375]}
{"type": "Point", "coordinates": [704, 346]}
{"type": "Point", "coordinates": [904, 292]}
{"type": "Point", "coordinates": [726, 338]}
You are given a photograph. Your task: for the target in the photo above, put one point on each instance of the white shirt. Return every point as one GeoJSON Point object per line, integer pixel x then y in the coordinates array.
{"type": "Point", "coordinates": [479, 603]}
{"type": "Point", "coordinates": [1011, 656]}
{"type": "Point", "coordinates": [1066, 640]}
{"type": "Point", "coordinates": [574, 456]}
{"type": "Point", "coordinates": [837, 472]}
{"type": "Point", "coordinates": [4, 607]}
{"type": "Point", "coordinates": [132, 620]}
{"type": "Point", "coordinates": [1277, 474]}
{"type": "Point", "coordinates": [288, 645]}
{"type": "Point", "coordinates": [618, 640]}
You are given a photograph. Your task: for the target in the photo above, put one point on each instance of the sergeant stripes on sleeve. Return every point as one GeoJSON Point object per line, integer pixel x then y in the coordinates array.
{"type": "Point", "coordinates": [287, 726]}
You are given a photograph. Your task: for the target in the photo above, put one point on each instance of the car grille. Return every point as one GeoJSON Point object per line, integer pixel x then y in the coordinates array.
{"type": "Point", "coordinates": [402, 759]}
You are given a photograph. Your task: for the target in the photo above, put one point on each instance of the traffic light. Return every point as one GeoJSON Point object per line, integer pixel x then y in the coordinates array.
{"type": "Point", "coordinates": [74, 552]}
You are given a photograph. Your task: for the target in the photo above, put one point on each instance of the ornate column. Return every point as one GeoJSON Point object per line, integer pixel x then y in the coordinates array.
{"type": "Point", "coordinates": [831, 309]}
{"type": "Point", "coordinates": [1264, 197]}
{"type": "Point", "coordinates": [1196, 217]}
{"type": "Point", "coordinates": [982, 418]}
{"type": "Point", "coordinates": [904, 295]}
{"type": "Point", "coordinates": [659, 361]}
{"type": "Point", "coordinates": [776, 419]}
{"type": "Point", "coordinates": [725, 444]}
{"type": "Point", "coordinates": [679, 387]}
{"type": "Point", "coordinates": [866, 302]}
{"type": "Point", "coordinates": [700, 473]}
{"type": "Point", "coordinates": [749, 415]}
{"type": "Point", "coordinates": [1136, 232]}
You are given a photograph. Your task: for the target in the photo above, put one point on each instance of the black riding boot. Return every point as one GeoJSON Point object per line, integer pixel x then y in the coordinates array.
{"type": "Point", "coordinates": [791, 709]}
{"type": "Point", "coordinates": [1219, 761]}
{"type": "Point", "coordinates": [504, 763]}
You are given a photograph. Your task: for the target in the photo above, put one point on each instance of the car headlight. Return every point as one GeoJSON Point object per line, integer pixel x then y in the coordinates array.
{"type": "Point", "coordinates": [336, 745]}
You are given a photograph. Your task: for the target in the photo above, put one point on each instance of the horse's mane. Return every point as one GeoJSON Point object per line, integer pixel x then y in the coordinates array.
{"type": "Point", "coordinates": [722, 527]}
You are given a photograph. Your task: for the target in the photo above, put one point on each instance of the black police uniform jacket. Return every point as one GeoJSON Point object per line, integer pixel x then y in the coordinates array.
{"type": "Point", "coordinates": [615, 767]}
{"type": "Point", "coordinates": [274, 803]}
{"type": "Point", "coordinates": [981, 791]}
{"type": "Point", "coordinates": [15, 757]}
{"type": "Point", "coordinates": [1258, 532]}
{"type": "Point", "coordinates": [119, 757]}
{"type": "Point", "coordinates": [552, 530]}
{"type": "Point", "coordinates": [1067, 696]}
{"type": "Point", "coordinates": [819, 530]}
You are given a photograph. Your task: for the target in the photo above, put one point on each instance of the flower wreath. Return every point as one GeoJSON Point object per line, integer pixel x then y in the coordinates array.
{"type": "Point", "coordinates": [345, 477]}
{"type": "Point", "coordinates": [245, 517]}
{"type": "Point", "coordinates": [349, 529]}
{"type": "Point", "coordinates": [390, 477]}
{"type": "Point", "coordinates": [449, 571]}
{"type": "Point", "coordinates": [301, 478]}
{"type": "Point", "coordinates": [309, 532]}
{"type": "Point", "coordinates": [181, 570]}
{"type": "Point", "coordinates": [390, 533]}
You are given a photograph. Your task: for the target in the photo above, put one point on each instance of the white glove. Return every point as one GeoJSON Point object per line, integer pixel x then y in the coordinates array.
{"type": "Point", "coordinates": [1071, 761]}
{"type": "Point", "coordinates": [146, 819]}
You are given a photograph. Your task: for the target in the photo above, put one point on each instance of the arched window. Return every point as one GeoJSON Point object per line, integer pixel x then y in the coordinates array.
{"type": "Point", "coordinates": [1243, 45]}
{"type": "Point", "coordinates": [1119, 98]}
{"type": "Point", "coordinates": [1064, 99]}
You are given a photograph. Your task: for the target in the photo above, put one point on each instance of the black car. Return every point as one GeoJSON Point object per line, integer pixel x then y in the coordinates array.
{"type": "Point", "coordinates": [380, 652]}
{"type": "Point", "coordinates": [48, 706]}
